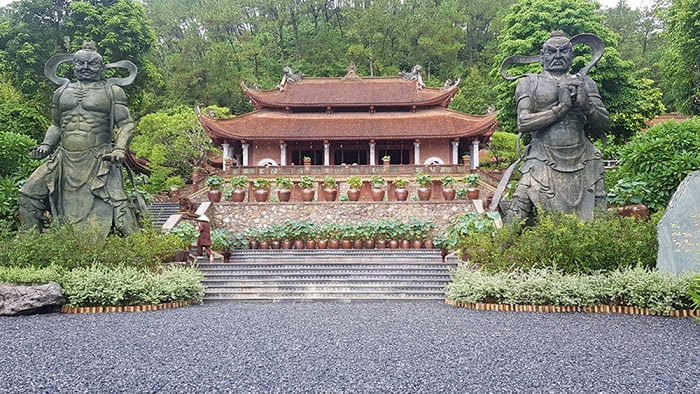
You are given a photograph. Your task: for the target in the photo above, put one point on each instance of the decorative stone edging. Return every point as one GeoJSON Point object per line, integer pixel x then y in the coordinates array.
{"type": "Point", "coordinates": [125, 308]}
{"type": "Point", "coordinates": [626, 310]}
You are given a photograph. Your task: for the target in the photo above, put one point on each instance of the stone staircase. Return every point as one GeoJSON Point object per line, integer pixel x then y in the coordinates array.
{"type": "Point", "coordinates": [161, 211]}
{"type": "Point", "coordinates": [327, 275]}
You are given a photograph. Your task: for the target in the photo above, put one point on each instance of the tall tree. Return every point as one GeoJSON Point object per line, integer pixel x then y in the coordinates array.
{"type": "Point", "coordinates": [681, 61]}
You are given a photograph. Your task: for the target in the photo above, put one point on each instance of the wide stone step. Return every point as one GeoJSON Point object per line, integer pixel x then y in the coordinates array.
{"type": "Point", "coordinates": [206, 267]}
{"type": "Point", "coordinates": [272, 254]}
{"type": "Point", "coordinates": [212, 282]}
{"type": "Point", "coordinates": [321, 293]}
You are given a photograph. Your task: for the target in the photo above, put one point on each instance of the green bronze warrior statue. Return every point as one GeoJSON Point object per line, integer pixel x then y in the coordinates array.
{"type": "Point", "coordinates": [81, 179]}
{"type": "Point", "coordinates": [562, 171]}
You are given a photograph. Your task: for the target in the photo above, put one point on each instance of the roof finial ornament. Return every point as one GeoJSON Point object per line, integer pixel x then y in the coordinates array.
{"type": "Point", "coordinates": [352, 73]}
{"type": "Point", "coordinates": [449, 85]}
{"type": "Point", "coordinates": [289, 76]}
{"type": "Point", "coordinates": [414, 75]}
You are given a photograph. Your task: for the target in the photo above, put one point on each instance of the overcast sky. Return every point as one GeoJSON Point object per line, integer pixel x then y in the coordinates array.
{"type": "Point", "coordinates": [605, 3]}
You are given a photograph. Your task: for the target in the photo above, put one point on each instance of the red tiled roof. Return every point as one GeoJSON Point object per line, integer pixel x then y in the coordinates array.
{"type": "Point", "coordinates": [358, 92]}
{"type": "Point", "coordinates": [275, 125]}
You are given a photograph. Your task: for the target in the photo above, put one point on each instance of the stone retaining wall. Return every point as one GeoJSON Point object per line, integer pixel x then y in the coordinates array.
{"type": "Point", "coordinates": [240, 216]}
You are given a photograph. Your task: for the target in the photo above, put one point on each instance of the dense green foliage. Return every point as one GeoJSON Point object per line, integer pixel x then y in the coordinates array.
{"type": "Point", "coordinates": [661, 158]}
{"type": "Point", "coordinates": [630, 99]}
{"type": "Point", "coordinates": [502, 150]}
{"type": "Point", "coordinates": [637, 287]}
{"type": "Point", "coordinates": [174, 143]}
{"type": "Point", "coordinates": [681, 61]}
{"type": "Point", "coordinates": [15, 167]}
{"type": "Point", "coordinates": [36, 30]}
{"type": "Point", "coordinates": [105, 286]}
{"type": "Point", "coordinates": [68, 247]}
{"type": "Point", "coordinates": [563, 242]}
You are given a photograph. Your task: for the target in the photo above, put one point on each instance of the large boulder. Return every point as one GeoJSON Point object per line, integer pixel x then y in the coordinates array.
{"type": "Point", "coordinates": [26, 300]}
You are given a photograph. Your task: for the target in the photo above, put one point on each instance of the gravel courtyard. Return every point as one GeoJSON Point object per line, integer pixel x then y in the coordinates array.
{"type": "Point", "coordinates": [347, 347]}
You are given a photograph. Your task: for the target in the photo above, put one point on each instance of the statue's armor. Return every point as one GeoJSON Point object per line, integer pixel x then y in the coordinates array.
{"type": "Point", "coordinates": [562, 170]}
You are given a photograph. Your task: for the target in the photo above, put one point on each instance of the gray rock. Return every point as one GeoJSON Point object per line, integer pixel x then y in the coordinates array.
{"type": "Point", "coordinates": [25, 300]}
{"type": "Point", "coordinates": [679, 229]}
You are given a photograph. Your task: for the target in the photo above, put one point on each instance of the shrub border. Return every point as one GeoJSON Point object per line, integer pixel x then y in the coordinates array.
{"type": "Point", "coordinates": [125, 308]}
{"type": "Point", "coordinates": [619, 309]}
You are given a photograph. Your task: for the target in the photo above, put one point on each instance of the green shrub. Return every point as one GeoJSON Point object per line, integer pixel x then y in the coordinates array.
{"type": "Point", "coordinates": [502, 150]}
{"type": "Point", "coordinates": [695, 293]}
{"type": "Point", "coordinates": [661, 158]}
{"type": "Point", "coordinates": [68, 246]}
{"type": "Point", "coordinates": [564, 242]}
{"type": "Point", "coordinates": [661, 292]}
{"type": "Point", "coordinates": [107, 286]}
{"type": "Point", "coordinates": [30, 275]}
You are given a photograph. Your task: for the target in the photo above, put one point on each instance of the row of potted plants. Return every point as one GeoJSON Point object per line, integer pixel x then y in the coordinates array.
{"type": "Point", "coordinates": [367, 235]}
{"type": "Point", "coordinates": [307, 184]}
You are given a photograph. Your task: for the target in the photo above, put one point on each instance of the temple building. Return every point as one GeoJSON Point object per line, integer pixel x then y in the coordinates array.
{"type": "Point", "coordinates": [350, 121]}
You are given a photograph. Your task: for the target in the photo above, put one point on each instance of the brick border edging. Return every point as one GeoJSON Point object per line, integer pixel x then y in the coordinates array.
{"type": "Point", "coordinates": [125, 308]}
{"type": "Point", "coordinates": [620, 309]}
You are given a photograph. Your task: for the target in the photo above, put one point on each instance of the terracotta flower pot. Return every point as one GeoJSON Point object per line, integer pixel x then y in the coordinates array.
{"type": "Point", "coordinates": [284, 195]}
{"type": "Point", "coordinates": [286, 244]}
{"type": "Point", "coordinates": [253, 245]}
{"type": "Point", "coordinates": [369, 244]}
{"type": "Point", "coordinates": [448, 194]}
{"type": "Point", "coordinates": [333, 244]}
{"type": "Point", "coordinates": [424, 193]}
{"type": "Point", "coordinates": [393, 244]}
{"type": "Point", "coordinates": [307, 195]}
{"type": "Point", "coordinates": [417, 244]}
{"type": "Point", "coordinates": [261, 195]}
{"type": "Point", "coordinates": [354, 194]}
{"type": "Point", "coordinates": [405, 244]}
{"type": "Point", "coordinates": [428, 243]}
{"type": "Point", "coordinates": [472, 193]}
{"type": "Point", "coordinates": [636, 211]}
{"type": "Point", "coordinates": [330, 194]}
{"type": "Point", "coordinates": [214, 195]}
{"type": "Point", "coordinates": [322, 244]}
{"type": "Point", "coordinates": [378, 194]}
{"type": "Point", "coordinates": [357, 244]}
{"type": "Point", "coordinates": [401, 194]}
{"type": "Point", "coordinates": [381, 244]}
{"type": "Point", "coordinates": [238, 195]}
{"type": "Point", "coordinates": [275, 244]}
{"type": "Point", "coordinates": [264, 244]}
{"type": "Point", "coordinates": [346, 244]}
{"type": "Point", "coordinates": [310, 244]}
{"type": "Point", "coordinates": [298, 244]}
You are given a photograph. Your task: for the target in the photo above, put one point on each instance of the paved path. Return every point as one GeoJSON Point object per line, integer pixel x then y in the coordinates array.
{"type": "Point", "coordinates": [353, 347]}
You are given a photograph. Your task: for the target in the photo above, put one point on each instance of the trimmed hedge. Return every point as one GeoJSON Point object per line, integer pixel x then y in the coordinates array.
{"type": "Point", "coordinates": [112, 286]}
{"type": "Point", "coordinates": [564, 242]}
{"type": "Point", "coordinates": [638, 287]}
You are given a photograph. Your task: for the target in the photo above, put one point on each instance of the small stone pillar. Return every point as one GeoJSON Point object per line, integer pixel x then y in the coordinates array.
{"type": "Point", "coordinates": [283, 153]}
{"type": "Point", "coordinates": [326, 153]}
{"type": "Point", "coordinates": [416, 152]}
{"type": "Point", "coordinates": [372, 155]}
{"type": "Point", "coordinates": [245, 147]}
{"type": "Point", "coordinates": [455, 152]}
{"type": "Point", "coordinates": [475, 155]}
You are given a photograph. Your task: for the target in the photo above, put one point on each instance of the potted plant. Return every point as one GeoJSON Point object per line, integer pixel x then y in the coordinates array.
{"type": "Point", "coordinates": [214, 183]}
{"type": "Point", "coordinates": [401, 193]}
{"type": "Point", "coordinates": [386, 161]}
{"type": "Point", "coordinates": [628, 197]}
{"type": "Point", "coordinates": [330, 188]}
{"type": "Point", "coordinates": [461, 193]}
{"type": "Point", "coordinates": [354, 184]}
{"type": "Point", "coordinates": [381, 231]}
{"type": "Point", "coordinates": [346, 236]}
{"type": "Point", "coordinates": [252, 234]}
{"type": "Point", "coordinates": [366, 233]}
{"type": "Point", "coordinates": [307, 183]}
{"type": "Point", "coordinates": [286, 235]}
{"type": "Point", "coordinates": [284, 188]}
{"type": "Point", "coordinates": [333, 230]}
{"type": "Point", "coordinates": [239, 185]}
{"type": "Point", "coordinates": [309, 234]}
{"type": "Point", "coordinates": [378, 191]}
{"type": "Point", "coordinates": [322, 236]}
{"type": "Point", "coordinates": [262, 189]}
{"type": "Point", "coordinates": [448, 191]}
{"type": "Point", "coordinates": [427, 234]}
{"type": "Point", "coordinates": [307, 163]}
{"type": "Point", "coordinates": [425, 181]}
{"type": "Point", "coordinates": [472, 180]}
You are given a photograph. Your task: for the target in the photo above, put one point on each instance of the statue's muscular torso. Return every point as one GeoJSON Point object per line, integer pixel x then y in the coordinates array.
{"type": "Point", "coordinates": [84, 110]}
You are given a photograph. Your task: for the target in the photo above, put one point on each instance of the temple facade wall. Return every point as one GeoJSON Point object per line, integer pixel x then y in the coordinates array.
{"type": "Point", "coordinates": [238, 217]}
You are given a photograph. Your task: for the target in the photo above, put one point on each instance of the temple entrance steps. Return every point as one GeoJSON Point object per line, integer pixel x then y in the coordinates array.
{"type": "Point", "coordinates": [161, 211]}
{"type": "Point", "coordinates": [327, 275]}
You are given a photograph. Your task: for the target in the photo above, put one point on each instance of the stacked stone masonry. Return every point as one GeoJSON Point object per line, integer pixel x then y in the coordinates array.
{"type": "Point", "coordinates": [240, 216]}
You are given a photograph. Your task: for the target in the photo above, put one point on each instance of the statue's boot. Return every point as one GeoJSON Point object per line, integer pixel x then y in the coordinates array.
{"type": "Point", "coordinates": [31, 211]}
